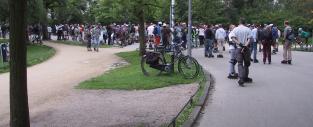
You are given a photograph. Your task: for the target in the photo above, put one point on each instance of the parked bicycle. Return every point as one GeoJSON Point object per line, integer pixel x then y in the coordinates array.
{"type": "Point", "coordinates": [155, 62]}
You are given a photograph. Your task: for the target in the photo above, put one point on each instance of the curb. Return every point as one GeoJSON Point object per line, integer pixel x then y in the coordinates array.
{"type": "Point", "coordinates": [201, 104]}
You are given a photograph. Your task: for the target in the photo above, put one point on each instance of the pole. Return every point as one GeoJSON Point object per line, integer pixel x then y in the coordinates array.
{"type": "Point", "coordinates": [189, 29]}
{"type": "Point", "coordinates": [172, 14]}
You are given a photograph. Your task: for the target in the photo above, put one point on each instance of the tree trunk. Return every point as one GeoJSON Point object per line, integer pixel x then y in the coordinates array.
{"type": "Point", "coordinates": [44, 26]}
{"type": "Point", "coordinates": [19, 112]}
{"type": "Point", "coordinates": [141, 18]}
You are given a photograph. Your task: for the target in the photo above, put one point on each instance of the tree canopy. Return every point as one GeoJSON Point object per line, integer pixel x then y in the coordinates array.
{"type": "Point", "coordinates": [298, 12]}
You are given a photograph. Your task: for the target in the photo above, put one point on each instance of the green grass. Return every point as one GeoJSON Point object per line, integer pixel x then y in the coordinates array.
{"type": "Point", "coordinates": [4, 40]}
{"type": "Point", "coordinates": [35, 55]}
{"type": "Point", "coordinates": [185, 115]}
{"type": "Point", "coordinates": [76, 43]}
{"type": "Point", "coordinates": [130, 77]}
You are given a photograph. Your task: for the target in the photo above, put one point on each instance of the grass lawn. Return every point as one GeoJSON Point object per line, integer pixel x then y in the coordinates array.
{"type": "Point", "coordinates": [35, 55]}
{"type": "Point", "coordinates": [131, 77]}
{"type": "Point", "coordinates": [76, 43]}
{"type": "Point", "coordinates": [3, 40]}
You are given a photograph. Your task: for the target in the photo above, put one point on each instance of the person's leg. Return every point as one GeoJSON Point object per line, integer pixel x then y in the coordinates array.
{"type": "Point", "coordinates": [239, 58]}
{"type": "Point", "coordinates": [269, 53]}
{"type": "Point", "coordinates": [220, 47]}
{"type": "Point", "coordinates": [247, 63]}
{"type": "Point", "coordinates": [289, 56]}
{"type": "Point", "coordinates": [264, 52]}
{"type": "Point", "coordinates": [206, 48]}
{"type": "Point", "coordinates": [210, 42]}
{"type": "Point", "coordinates": [255, 48]}
{"type": "Point", "coordinates": [232, 63]}
{"type": "Point", "coordinates": [285, 51]}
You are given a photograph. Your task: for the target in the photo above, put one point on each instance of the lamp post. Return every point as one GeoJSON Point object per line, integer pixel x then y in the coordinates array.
{"type": "Point", "coordinates": [172, 13]}
{"type": "Point", "coordinates": [189, 29]}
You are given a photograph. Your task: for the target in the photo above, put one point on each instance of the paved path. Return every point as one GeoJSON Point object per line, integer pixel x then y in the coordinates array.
{"type": "Point", "coordinates": [54, 101]}
{"type": "Point", "coordinates": [281, 95]}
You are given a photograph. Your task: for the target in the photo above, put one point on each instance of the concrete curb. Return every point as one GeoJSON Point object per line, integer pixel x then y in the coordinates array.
{"type": "Point", "coordinates": [201, 104]}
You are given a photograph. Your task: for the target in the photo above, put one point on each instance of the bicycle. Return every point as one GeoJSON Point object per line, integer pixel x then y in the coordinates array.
{"type": "Point", "coordinates": [153, 63]}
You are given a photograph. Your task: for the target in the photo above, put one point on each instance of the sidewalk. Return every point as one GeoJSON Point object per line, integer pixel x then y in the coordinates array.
{"type": "Point", "coordinates": [280, 96]}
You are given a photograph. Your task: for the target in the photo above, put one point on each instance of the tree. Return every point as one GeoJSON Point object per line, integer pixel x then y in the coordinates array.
{"type": "Point", "coordinates": [141, 19]}
{"type": "Point", "coordinates": [19, 112]}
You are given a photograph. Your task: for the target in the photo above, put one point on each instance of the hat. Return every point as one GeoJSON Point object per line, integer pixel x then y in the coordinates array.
{"type": "Point", "coordinates": [271, 25]}
{"type": "Point", "coordinates": [160, 23]}
{"type": "Point", "coordinates": [164, 24]}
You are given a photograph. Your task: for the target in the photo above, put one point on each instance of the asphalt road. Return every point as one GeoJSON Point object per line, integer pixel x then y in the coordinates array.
{"type": "Point", "coordinates": [280, 96]}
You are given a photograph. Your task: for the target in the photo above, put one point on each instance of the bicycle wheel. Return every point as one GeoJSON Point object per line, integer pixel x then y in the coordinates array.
{"type": "Point", "coordinates": [188, 67]}
{"type": "Point", "coordinates": [149, 71]}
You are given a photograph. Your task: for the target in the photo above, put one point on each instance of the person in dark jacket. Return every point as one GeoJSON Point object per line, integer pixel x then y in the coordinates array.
{"type": "Point", "coordinates": [209, 39]}
{"type": "Point", "coordinates": [267, 43]}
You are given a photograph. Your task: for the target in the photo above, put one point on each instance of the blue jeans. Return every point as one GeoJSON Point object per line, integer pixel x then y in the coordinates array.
{"type": "Point", "coordinates": [208, 47]}
{"type": "Point", "coordinates": [253, 48]}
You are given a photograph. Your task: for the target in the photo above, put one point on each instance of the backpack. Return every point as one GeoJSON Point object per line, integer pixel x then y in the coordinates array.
{"type": "Point", "coordinates": [267, 34]}
{"type": "Point", "coordinates": [290, 35]}
{"type": "Point", "coordinates": [152, 58]}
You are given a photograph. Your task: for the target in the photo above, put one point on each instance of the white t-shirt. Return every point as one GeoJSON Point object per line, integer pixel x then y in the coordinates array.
{"type": "Point", "coordinates": [150, 30]}
{"type": "Point", "coordinates": [201, 32]}
{"type": "Point", "coordinates": [242, 33]}
{"type": "Point", "coordinates": [220, 33]}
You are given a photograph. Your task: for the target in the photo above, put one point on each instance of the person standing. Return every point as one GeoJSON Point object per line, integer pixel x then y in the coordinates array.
{"type": "Point", "coordinates": [109, 31]}
{"type": "Point", "coordinates": [220, 35]}
{"type": "Point", "coordinates": [201, 35]}
{"type": "Point", "coordinates": [209, 39]}
{"type": "Point", "coordinates": [267, 43]}
{"type": "Point", "coordinates": [49, 32]}
{"type": "Point", "coordinates": [88, 38]}
{"type": "Point", "coordinates": [232, 52]}
{"type": "Point", "coordinates": [96, 35]}
{"type": "Point", "coordinates": [287, 42]}
{"type": "Point", "coordinates": [275, 34]}
{"type": "Point", "coordinates": [241, 37]}
{"type": "Point", "coordinates": [166, 35]}
{"type": "Point", "coordinates": [254, 44]}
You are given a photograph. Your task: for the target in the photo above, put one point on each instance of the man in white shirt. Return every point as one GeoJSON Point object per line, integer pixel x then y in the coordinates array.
{"type": "Point", "coordinates": [220, 35]}
{"type": "Point", "coordinates": [201, 35]}
{"type": "Point", "coordinates": [150, 30]}
{"type": "Point", "coordinates": [241, 37]}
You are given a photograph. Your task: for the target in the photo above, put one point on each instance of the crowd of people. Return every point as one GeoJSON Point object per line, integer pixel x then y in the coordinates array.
{"type": "Point", "coordinates": [244, 40]}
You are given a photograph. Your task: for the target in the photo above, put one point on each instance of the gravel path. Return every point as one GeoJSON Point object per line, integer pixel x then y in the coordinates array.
{"type": "Point", "coordinates": [54, 101]}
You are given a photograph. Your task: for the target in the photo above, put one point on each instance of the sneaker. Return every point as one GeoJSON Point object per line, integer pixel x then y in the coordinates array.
{"type": "Point", "coordinates": [232, 76]}
{"type": "Point", "coordinates": [223, 48]}
{"type": "Point", "coordinates": [284, 62]}
{"type": "Point", "coordinates": [206, 56]}
{"type": "Point", "coordinates": [220, 56]}
{"type": "Point", "coordinates": [211, 56]}
{"type": "Point", "coordinates": [248, 80]}
{"type": "Point", "coordinates": [289, 61]}
{"type": "Point", "coordinates": [255, 61]}
{"type": "Point", "coordinates": [241, 82]}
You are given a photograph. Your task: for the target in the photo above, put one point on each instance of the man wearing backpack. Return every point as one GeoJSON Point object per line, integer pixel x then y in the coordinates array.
{"type": "Point", "coordinates": [288, 38]}
{"type": "Point", "coordinates": [267, 43]}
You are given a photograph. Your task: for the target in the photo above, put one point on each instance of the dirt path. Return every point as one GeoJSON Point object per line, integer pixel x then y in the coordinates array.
{"type": "Point", "coordinates": [54, 101]}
